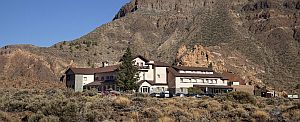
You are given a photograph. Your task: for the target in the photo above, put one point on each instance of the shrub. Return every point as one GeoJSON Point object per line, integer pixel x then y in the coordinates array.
{"type": "Point", "coordinates": [121, 102]}
{"type": "Point", "coordinates": [36, 117]}
{"type": "Point", "coordinates": [138, 94]}
{"type": "Point", "coordinates": [16, 106]}
{"type": "Point", "coordinates": [194, 90]}
{"type": "Point", "coordinates": [50, 119]}
{"type": "Point", "coordinates": [179, 114]}
{"type": "Point", "coordinates": [261, 116]}
{"type": "Point", "coordinates": [165, 119]}
{"type": "Point", "coordinates": [199, 113]}
{"type": "Point", "coordinates": [238, 112]}
{"type": "Point", "coordinates": [241, 97]}
{"type": "Point", "coordinates": [4, 117]}
{"type": "Point", "coordinates": [92, 92]}
{"type": "Point", "coordinates": [152, 113]}
{"type": "Point", "coordinates": [212, 105]}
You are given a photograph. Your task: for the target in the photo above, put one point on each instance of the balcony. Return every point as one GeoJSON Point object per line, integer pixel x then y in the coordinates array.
{"type": "Point", "coordinates": [143, 67]}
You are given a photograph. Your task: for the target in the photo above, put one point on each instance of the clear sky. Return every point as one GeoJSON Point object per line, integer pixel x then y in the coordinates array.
{"type": "Point", "coordinates": [46, 22]}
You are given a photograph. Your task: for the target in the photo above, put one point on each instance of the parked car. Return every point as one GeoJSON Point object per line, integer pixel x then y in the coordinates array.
{"type": "Point", "coordinates": [192, 95]}
{"type": "Point", "coordinates": [180, 94]}
{"type": "Point", "coordinates": [165, 94]}
{"type": "Point", "coordinates": [154, 94]}
{"type": "Point", "coordinates": [209, 94]}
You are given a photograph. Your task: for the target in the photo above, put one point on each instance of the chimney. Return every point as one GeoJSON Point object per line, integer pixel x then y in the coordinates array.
{"type": "Point", "coordinates": [105, 64]}
{"type": "Point", "coordinates": [210, 66]}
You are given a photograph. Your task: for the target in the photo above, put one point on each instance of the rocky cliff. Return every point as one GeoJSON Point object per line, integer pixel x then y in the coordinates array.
{"type": "Point", "coordinates": [258, 40]}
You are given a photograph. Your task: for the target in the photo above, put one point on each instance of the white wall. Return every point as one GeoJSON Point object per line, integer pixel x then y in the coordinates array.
{"type": "Point", "coordinates": [198, 81]}
{"type": "Point", "coordinates": [139, 61]}
{"type": "Point", "coordinates": [89, 79]}
{"type": "Point", "coordinates": [196, 72]}
{"type": "Point", "coordinates": [80, 81]}
{"type": "Point", "coordinates": [148, 74]}
{"type": "Point", "coordinates": [235, 83]}
{"type": "Point", "coordinates": [161, 74]}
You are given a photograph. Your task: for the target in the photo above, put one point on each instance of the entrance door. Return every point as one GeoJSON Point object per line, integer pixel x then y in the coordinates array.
{"type": "Point", "coordinates": [145, 89]}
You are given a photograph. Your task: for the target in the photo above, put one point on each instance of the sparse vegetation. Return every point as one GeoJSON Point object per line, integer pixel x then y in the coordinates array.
{"type": "Point", "coordinates": [60, 105]}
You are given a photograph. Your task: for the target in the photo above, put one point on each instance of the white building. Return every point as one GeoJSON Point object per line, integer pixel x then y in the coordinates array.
{"type": "Point", "coordinates": [181, 78]}
{"type": "Point", "coordinates": [154, 77]}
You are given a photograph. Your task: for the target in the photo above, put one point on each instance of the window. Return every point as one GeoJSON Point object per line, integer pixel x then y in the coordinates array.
{"type": "Point", "coordinates": [145, 89]}
{"type": "Point", "coordinates": [84, 78]}
{"type": "Point", "coordinates": [111, 77]}
{"type": "Point", "coordinates": [181, 90]}
{"type": "Point", "coordinates": [194, 80]}
{"type": "Point", "coordinates": [107, 77]}
{"type": "Point", "coordinates": [202, 80]}
{"type": "Point", "coordinates": [68, 77]}
{"type": "Point", "coordinates": [102, 78]}
{"type": "Point", "coordinates": [142, 64]}
{"type": "Point", "coordinates": [144, 76]}
{"type": "Point", "coordinates": [181, 80]}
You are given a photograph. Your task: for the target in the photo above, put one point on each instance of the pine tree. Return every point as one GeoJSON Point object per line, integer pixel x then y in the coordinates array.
{"type": "Point", "coordinates": [127, 76]}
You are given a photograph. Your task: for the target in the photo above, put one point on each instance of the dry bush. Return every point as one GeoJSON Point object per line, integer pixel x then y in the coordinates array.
{"type": "Point", "coordinates": [36, 117]}
{"type": "Point", "coordinates": [227, 106]}
{"type": "Point", "coordinates": [179, 114]}
{"type": "Point", "coordinates": [49, 119]}
{"type": "Point", "coordinates": [292, 115]}
{"type": "Point", "coordinates": [211, 106]}
{"type": "Point", "coordinates": [241, 97]}
{"type": "Point", "coordinates": [165, 119]}
{"type": "Point", "coordinates": [260, 115]}
{"type": "Point", "coordinates": [92, 92]}
{"type": "Point", "coordinates": [238, 112]}
{"type": "Point", "coordinates": [121, 102]}
{"type": "Point", "coordinates": [4, 117]}
{"type": "Point", "coordinates": [152, 113]}
{"type": "Point", "coordinates": [198, 114]}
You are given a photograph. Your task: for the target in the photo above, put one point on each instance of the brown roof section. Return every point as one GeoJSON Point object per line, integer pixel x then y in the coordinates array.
{"type": "Point", "coordinates": [95, 83]}
{"type": "Point", "coordinates": [187, 68]}
{"type": "Point", "coordinates": [177, 74]}
{"type": "Point", "coordinates": [85, 71]}
{"type": "Point", "coordinates": [234, 78]}
{"type": "Point", "coordinates": [107, 69]}
{"type": "Point", "coordinates": [141, 57]}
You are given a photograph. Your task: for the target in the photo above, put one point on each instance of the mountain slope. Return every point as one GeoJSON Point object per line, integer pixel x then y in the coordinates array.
{"type": "Point", "coordinates": [257, 40]}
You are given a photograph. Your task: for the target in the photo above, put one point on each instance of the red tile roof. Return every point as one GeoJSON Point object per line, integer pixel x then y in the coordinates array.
{"type": "Point", "coordinates": [85, 71]}
{"type": "Point", "coordinates": [107, 69]}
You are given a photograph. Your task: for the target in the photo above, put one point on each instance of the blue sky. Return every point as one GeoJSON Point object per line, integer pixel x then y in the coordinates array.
{"type": "Point", "coordinates": [46, 22]}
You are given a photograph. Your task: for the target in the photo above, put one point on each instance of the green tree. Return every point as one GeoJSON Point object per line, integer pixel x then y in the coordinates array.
{"type": "Point", "coordinates": [127, 75]}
